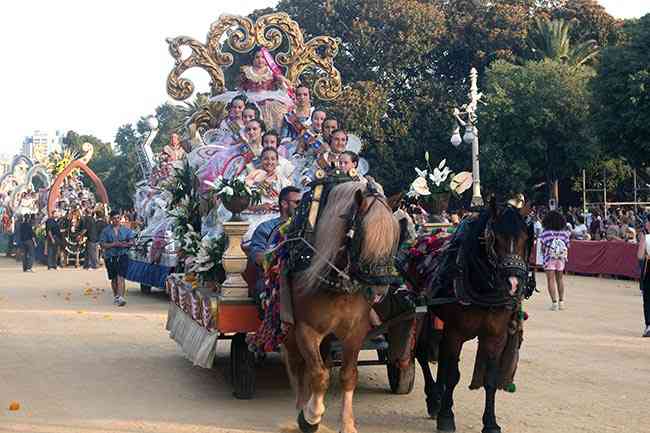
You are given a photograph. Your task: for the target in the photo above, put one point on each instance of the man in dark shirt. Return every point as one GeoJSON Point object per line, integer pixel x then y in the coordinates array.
{"type": "Point", "coordinates": [28, 241]}
{"type": "Point", "coordinates": [91, 230]}
{"type": "Point", "coordinates": [52, 240]}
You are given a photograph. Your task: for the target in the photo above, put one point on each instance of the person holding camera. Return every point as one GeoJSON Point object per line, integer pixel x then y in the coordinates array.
{"type": "Point", "coordinates": [643, 254]}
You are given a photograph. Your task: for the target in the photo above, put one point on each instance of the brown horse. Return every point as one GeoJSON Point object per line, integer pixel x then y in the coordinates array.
{"type": "Point", "coordinates": [499, 242]}
{"type": "Point", "coordinates": [320, 313]}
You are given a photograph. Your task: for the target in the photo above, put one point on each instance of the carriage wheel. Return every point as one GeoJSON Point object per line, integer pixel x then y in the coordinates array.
{"type": "Point", "coordinates": [242, 364]}
{"type": "Point", "coordinates": [145, 289]}
{"type": "Point", "coordinates": [401, 381]}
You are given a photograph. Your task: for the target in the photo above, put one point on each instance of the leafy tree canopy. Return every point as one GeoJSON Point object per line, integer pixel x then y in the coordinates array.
{"type": "Point", "coordinates": [536, 123]}
{"type": "Point", "coordinates": [622, 94]}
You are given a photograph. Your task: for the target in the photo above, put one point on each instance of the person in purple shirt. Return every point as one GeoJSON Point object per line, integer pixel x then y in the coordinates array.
{"type": "Point", "coordinates": [555, 250]}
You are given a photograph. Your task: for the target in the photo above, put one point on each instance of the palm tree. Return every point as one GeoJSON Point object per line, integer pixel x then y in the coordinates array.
{"type": "Point", "coordinates": [550, 40]}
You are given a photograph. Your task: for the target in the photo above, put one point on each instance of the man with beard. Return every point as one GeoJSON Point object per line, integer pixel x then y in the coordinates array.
{"type": "Point", "coordinates": [288, 201]}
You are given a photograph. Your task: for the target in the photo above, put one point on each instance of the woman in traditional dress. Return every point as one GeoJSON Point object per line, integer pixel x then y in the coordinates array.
{"type": "Point", "coordinates": [269, 181]}
{"type": "Point", "coordinates": [228, 139]}
{"type": "Point", "coordinates": [263, 83]}
{"type": "Point", "coordinates": [299, 118]}
{"type": "Point", "coordinates": [230, 128]}
{"type": "Point", "coordinates": [327, 156]}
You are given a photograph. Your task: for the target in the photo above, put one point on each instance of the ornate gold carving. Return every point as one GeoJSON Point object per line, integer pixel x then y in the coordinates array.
{"type": "Point", "coordinates": [88, 152]}
{"type": "Point", "coordinates": [242, 36]}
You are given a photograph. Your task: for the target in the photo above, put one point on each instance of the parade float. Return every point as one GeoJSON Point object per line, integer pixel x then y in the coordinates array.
{"type": "Point", "coordinates": [53, 184]}
{"type": "Point", "coordinates": [155, 255]}
{"type": "Point", "coordinates": [201, 198]}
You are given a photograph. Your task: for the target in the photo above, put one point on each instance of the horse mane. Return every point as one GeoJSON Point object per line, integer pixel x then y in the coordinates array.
{"type": "Point", "coordinates": [380, 232]}
{"type": "Point", "coordinates": [510, 222]}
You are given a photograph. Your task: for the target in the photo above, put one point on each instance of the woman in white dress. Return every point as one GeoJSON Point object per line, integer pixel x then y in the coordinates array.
{"type": "Point", "coordinates": [269, 181]}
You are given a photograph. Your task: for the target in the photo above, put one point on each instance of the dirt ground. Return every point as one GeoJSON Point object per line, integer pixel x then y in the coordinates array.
{"type": "Point", "coordinates": [76, 363]}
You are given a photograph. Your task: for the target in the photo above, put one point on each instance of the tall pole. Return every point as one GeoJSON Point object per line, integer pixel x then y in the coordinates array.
{"type": "Point", "coordinates": [477, 199]}
{"type": "Point", "coordinates": [605, 191]}
{"type": "Point", "coordinates": [470, 109]}
{"type": "Point", "coordinates": [584, 192]}
{"type": "Point", "coordinates": [636, 201]}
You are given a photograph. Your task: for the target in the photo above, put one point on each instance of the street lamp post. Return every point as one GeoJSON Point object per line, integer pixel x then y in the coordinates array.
{"type": "Point", "coordinates": [466, 117]}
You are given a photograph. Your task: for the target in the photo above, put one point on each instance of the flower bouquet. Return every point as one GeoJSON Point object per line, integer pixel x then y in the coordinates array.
{"type": "Point", "coordinates": [207, 264]}
{"type": "Point", "coordinates": [433, 189]}
{"type": "Point", "coordinates": [235, 195]}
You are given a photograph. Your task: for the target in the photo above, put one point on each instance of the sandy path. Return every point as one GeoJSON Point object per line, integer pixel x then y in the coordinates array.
{"type": "Point", "coordinates": [76, 363]}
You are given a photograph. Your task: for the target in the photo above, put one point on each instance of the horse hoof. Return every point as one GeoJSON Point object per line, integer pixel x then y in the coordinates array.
{"type": "Point", "coordinates": [491, 430]}
{"type": "Point", "coordinates": [304, 426]}
{"type": "Point", "coordinates": [433, 407]}
{"type": "Point", "coordinates": [446, 424]}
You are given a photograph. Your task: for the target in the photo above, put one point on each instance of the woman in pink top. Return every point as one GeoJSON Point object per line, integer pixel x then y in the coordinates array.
{"type": "Point", "coordinates": [555, 250]}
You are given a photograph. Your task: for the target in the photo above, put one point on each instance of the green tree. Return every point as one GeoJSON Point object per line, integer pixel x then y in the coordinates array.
{"type": "Point", "coordinates": [622, 95]}
{"type": "Point", "coordinates": [170, 117]}
{"type": "Point", "coordinates": [589, 20]}
{"type": "Point", "coordinates": [551, 40]}
{"type": "Point", "coordinates": [536, 124]}
{"type": "Point", "coordinates": [392, 94]}
{"type": "Point", "coordinates": [125, 174]}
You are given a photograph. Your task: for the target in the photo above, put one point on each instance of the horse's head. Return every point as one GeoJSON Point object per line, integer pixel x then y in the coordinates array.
{"type": "Point", "coordinates": [375, 236]}
{"type": "Point", "coordinates": [356, 230]}
{"type": "Point", "coordinates": [508, 244]}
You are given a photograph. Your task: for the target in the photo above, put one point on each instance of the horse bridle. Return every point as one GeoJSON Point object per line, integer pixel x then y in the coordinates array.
{"type": "Point", "coordinates": [380, 273]}
{"type": "Point", "coordinates": [511, 264]}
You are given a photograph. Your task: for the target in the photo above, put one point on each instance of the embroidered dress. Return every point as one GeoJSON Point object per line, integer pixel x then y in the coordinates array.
{"type": "Point", "coordinates": [265, 90]}
{"type": "Point", "coordinates": [270, 186]}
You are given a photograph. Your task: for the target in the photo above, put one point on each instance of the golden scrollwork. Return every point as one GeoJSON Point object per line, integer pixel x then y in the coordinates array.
{"type": "Point", "coordinates": [242, 35]}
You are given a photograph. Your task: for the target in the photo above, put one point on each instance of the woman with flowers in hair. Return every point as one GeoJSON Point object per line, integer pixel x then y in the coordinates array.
{"type": "Point", "coordinates": [264, 84]}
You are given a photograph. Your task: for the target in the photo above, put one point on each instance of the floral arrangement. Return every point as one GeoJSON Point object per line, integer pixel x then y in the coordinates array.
{"type": "Point", "coordinates": [230, 190]}
{"type": "Point", "coordinates": [436, 182]}
{"type": "Point", "coordinates": [185, 233]}
{"type": "Point", "coordinates": [207, 263]}
{"type": "Point", "coordinates": [432, 180]}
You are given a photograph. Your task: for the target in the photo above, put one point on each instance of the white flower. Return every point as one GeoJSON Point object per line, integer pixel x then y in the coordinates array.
{"type": "Point", "coordinates": [426, 156]}
{"type": "Point", "coordinates": [227, 190]}
{"type": "Point", "coordinates": [420, 187]}
{"type": "Point", "coordinates": [442, 163]}
{"type": "Point", "coordinates": [439, 176]}
{"type": "Point", "coordinates": [421, 173]}
{"type": "Point", "coordinates": [461, 182]}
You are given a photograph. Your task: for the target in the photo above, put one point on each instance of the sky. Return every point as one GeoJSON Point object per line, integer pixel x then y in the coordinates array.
{"type": "Point", "coordinates": [93, 66]}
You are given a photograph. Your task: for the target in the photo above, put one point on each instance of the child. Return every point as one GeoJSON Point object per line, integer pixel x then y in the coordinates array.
{"type": "Point", "coordinates": [347, 161]}
{"type": "Point", "coordinates": [555, 249]}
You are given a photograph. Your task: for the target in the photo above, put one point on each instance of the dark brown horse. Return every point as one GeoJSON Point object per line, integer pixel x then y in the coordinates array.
{"type": "Point", "coordinates": [320, 313]}
{"type": "Point", "coordinates": [491, 275]}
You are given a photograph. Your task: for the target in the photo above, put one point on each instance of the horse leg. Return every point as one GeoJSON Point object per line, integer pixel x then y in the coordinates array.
{"type": "Point", "coordinates": [493, 348]}
{"type": "Point", "coordinates": [491, 376]}
{"type": "Point", "coordinates": [349, 376]}
{"type": "Point", "coordinates": [448, 377]}
{"type": "Point", "coordinates": [295, 365]}
{"type": "Point", "coordinates": [316, 377]}
{"type": "Point", "coordinates": [422, 355]}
